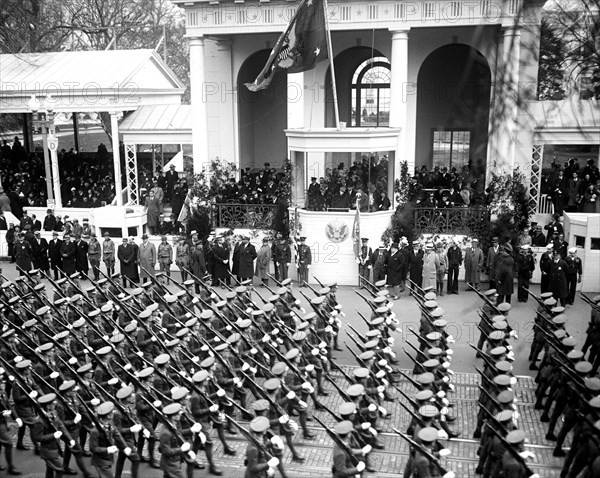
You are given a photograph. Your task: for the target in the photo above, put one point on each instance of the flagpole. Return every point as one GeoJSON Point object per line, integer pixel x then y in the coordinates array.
{"type": "Point", "coordinates": [330, 54]}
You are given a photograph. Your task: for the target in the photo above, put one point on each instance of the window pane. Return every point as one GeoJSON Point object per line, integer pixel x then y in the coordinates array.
{"type": "Point", "coordinates": [442, 144]}
{"type": "Point", "coordinates": [451, 149]}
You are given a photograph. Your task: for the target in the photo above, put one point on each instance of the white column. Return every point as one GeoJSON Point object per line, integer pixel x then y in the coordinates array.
{"type": "Point", "coordinates": [52, 142]}
{"type": "Point", "coordinates": [295, 100]}
{"type": "Point", "coordinates": [511, 56]}
{"type": "Point", "coordinates": [199, 110]}
{"type": "Point", "coordinates": [398, 95]}
{"type": "Point", "coordinates": [114, 128]}
{"type": "Point", "coordinates": [226, 95]}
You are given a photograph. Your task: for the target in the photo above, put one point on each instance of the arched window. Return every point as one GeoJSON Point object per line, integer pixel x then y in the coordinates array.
{"type": "Point", "coordinates": [371, 93]}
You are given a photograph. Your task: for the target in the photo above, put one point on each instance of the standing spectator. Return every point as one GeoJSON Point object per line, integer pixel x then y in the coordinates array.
{"type": "Point", "coordinates": [153, 208]}
{"type": "Point", "coordinates": [165, 258]}
{"type": "Point", "coordinates": [314, 191]}
{"type": "Point", "coordinates": [221, 272]}
{"type": "Point", "coordinates": [36, 225]}
{"type": "Point", "coordinates": [574, 192]}
{"type": "Point", "coordinates": [561, 246]}
{"type": "Point", "coordinates": [26, 220]}
{"type": "Point", "coordinates": [553, 227]}
{"type": "Point", "coordinates": [284, 257]}
{"type": "Point", "coordinates": [263, 260]}
{"type": "Point", "coordinates": [379, 261]}
{"type": "Point", "coordinates": [491, 261]}
{"type": "Point", "coordinates": [525, 267]}
{"type": "Point", "coordinates": [505, 274]}
{"type": "Point", "coordinates": [303, 261]}
{"type": "Point", "coordinates": [243, 259]}
{"type": "Point", "coordinates": [275, 254]}
{"type": "Point", "coordinates": [59, 226]}
{"type": "Point", "coordinates": [197, 261]}
{"type": "Point", "coordinates": [557, 191]}
{"type": "Point", "coordinates": [4, 202]}
{"type": "Point", "coordinates": [382, 201]}
{"type": "Point", "coordinates": [68, 253]}
{"type": "Point", "coordinates": [182, 257]}
{"type": "Point", "coordinates": [49, 221]}
{"type": "Point", "coordinates": [364, 263]}
{"type": "Point", "coordinates": [538, 239]}
{"type": "Point", "coordinates": [395, 267]}
{"type": "Point", "coordinates": [147, 258]}
{"type": "Point", "coordinates": [54, 254]}
{"type": "Point", "coordinates": [405, 251]}
{"type": "Point", "coordinates": [94, 255]}
{"type": "Point", "coordinates": [429, 266]}
{"type": "Point", "coordinates": [474, 262]}
{"type": "Point", "coordinates": [172, 177]}
{"type": "Point", "coordinates": [177, 201]}
{"type": "Point", "coordinates": [23, 254]}
{"type": "Point", "coordinates": [11, 238]}
{"type": "Point", "coordinates": [573, 274]}
{"type": "Point", "coordinates": [39, 247]}
{"type": "Point", "coordinates": [158, 192]}
{"type": "Point", "coordinates": [558, 278]}
{"type": "Point", "coordinates": [545, 263]}
{"type": "Point", "coordinates": [3, 225]}
{"type": "Point", "coordinates": [525, 238]}
{"type": "Point", "coordinates": [441, 266]}
{"type": "Point", "coordinates": [81, 257]}
{"type": "Point", "coordinates": [108, 254]}
{"type": "Point", "coordinates": [86, 229]}
{"type": "Point", "coordinates": [454, 262]}
{"type": "Point", "coordinates": [416, 264]}
{"type": "Point", "coordinates": [127, 258]}
{"type": "Point", "coordinates": [136, 255]}
{"type": "Point", "coordinates": [590, 198]}
{"type": "Point", "coordinates": [77, 228]}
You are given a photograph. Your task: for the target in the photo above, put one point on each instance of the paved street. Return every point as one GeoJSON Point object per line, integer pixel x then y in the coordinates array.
{"type": "Point", "coordinates": [461, 313]}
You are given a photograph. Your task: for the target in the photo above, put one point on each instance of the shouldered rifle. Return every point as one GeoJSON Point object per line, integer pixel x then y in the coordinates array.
{"type": "Point", "coordinates": [355, 331]}
{"type": "Point", "coordinates": [537, 299]}
{"type": "Point", "coordinates": [485, 299]}
{"type": "Point", "coordinates": [366, 299]}
{"type": "Point", "coordinates": [412, 401]}
{"type": "Point", "coordinates": [491, 420]}
{"type": "Point", "coordinates": [486, 358]}
{"type": "Point", "coordinates": [411, 380]}
{"type": "Point", "coordinates": [251, 438]}
{"type": "Point", "coordinates": [485, 318]}
{"type": "Point", "coordinates": [492, 398]}
{"type": "Point", "coordinates": [318, 281]}
{"type": "Point", "coordinates": [418, 291]}
{"type": "Point", "coordinates": [343, 372]}
{"type": "Point", "coordinates": [373, 287]}
{"type": "Point", "coordinates": [233, 277]}
{"type": "Point", "coordinates": [316, 292]}
{"type": "Point", "coordinates": [360, 346]}
{"type": "Point", "coordinates": [416, 416]}
{"type": "Point", "coordinates": [510, 449]}
{"type": "Point", "coordinates": [342, 393]}
{"type": "Point", "coordinates": [419, 352]}
{"type": "Point", "coordinates": [587, 299]}
{"type": "Point", "coordinates": [488, 380]}
{"type": "Point", "coordinates": [339, 442]}
{"type": "Point", "coordinates": [365, 320]}
{"type": "Point", "coordinates": [275, 280]}
{"type": "Point", "coordinates": [262, 392]}
{"type": "Point", "coordinates": [445, 473]}
{"type": "Point", "coordinates": [421, 339]}
{"type": "Point", "coordinates": [412, 359]}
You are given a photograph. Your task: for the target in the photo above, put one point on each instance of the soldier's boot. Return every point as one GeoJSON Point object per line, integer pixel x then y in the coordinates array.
{"type": "Point", "coordinates": [221, 433]}
{"type": "Point", "coordinates": [282, 469]}
{"type": "Point", "coordinates": [20, 437]}
{"type": "Point", "coordinates": [212, 468]}
{"type": "Point", "coordinates": [12, 470]}
{"type": "Point", "coordinates": [135, 466]}
{"type": "Point", "coordinates": [315, 400]}
{"type": "Point", "coordinates": [295, 455]}
{"type": "Point", "coordinates": [336, 345]}
{"type": "Point", "coordinates": [408, 468]}
{"type": "Point", "coordinates": [368, 467]}
{"type": "Point", "coordinates": [446, 428]}
{"type": "Point", "coordinates": [66, 461]}
{"type": "Point", "coordinates": [83, 433]}
{"type": "Point", "coordinates": [320, 389]}
{"type": "Point", "coordinates": [151, 444]}
{"type": "Point", "coordinates": [120, 464]}
{"type": "Point", "coordinates": [305, 431]}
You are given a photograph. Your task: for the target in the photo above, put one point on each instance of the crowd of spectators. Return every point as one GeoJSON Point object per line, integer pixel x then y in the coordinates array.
{"type": "Point", "coordinates": [571, 187]}
{"type": "Point", "coordinates": [85, 181]}
{"type": "Point", "coordinates": [364, 184]}
{"type": "Point", "coordinates": [256, 186]}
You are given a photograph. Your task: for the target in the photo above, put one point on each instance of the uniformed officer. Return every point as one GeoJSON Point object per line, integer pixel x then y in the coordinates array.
{"type": "Point", "coordinates": [259, 463]}
{"type": "Point", "coordinates": [303, 261]}
{"type": "Point", "coordinates": [511, 466]}
{"type": "Point", "coordinates": [106, 441]}
{"type": "Point", "coordinates": [344, 463]}
{"type": "Point", "coordinates": [173, 449]}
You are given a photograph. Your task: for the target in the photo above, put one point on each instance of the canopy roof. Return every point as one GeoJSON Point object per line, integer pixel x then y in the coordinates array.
{"type": "Point", "coordinates": [111, 80]}
{"type": "Point", "coordinates": [159, 124]}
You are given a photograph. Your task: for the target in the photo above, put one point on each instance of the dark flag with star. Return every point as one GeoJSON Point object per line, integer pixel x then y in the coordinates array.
{"type": "Point", "coordinates": [300, 47]}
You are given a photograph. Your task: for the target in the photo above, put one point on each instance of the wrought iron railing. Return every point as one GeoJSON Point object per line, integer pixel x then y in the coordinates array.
{"type": "Point", "coordinates": [251, 216]}
{"type": "Point", "coordinates": [454, 220]}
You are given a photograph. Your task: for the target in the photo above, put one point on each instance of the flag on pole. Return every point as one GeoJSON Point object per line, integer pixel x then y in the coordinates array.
{"type": "Point", "coordinates": [356, 232]}
{"type": "Point", "coordinates": [300, 47]}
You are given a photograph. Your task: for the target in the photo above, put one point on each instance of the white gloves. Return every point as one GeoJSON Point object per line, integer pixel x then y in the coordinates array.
{"type": "Point", "coordinates": [513, 380]}
{"type": "Point", "coordinates": [57, 434]}
{"type": "Point", "coordinates": [245, 367]}
{"type": "Point", "coordinates": [213, 408]}
{"type": "Point", "coordinates": [310, 367]}
{"type": "Point", "coordinates": [139, 353]}
{"type": "Point", "coordinates": [72, 361]}
{"type": "Point", "coordinates": [315, 352]}
{"type": "Point", "coordinates": [221, 393]}
{"type": "Point", "coordinates": [382, 362]}
{"type": "Point", "coordinates": [113, 381]}
{"type": "Point", "coordinates": [95, 402]}
{"type": "Point", "coordinates": [185, 447]}
{"type": "Point", "coordinates": [380, 389]}
{"type": "Point", "coordinates": [308, 387]}
{"type": "Point", "coordinates": [445, 379]}
{"type": "Point", "coordinates": [153, 339]}
{"type": "Point", "coordinates": [527, 454]}
{"type": "Point", "coordinates": [444, 452]}
{"type": "Point", "coordinates": [127, 451]}
{"type": "Point", "coordinates": [360, 466]}
{"type": "Point", "coordinates": [366, 449]}
{"type": "Point", "coordinates": [236, 380]}
{"type": "Point", "coordinates": [441, 394]}
{"type": "Point", "coordinates": [451, 474]}
{"type": "Point", "coordinates": [273, 462]}
{"type": "Point", "coordinates": [266, 338]}
{"type": "Point", "coordinates": [6, 413]}
{"type": "Point", "coordinates": [277, 442]}
{"type": "Point", "coordinates": [253, 351]}
{"type": "Point", "coordinates": [365, 425]}
{"type": "Point", "coordinates": [291, 395]}
{"type": "Point", "coordinates": [33, 394]}
{"type": "Point", "coordinates": [372, 407]}
{"type": "Point", "coordinates": [380, 374]}
{"type": "Point", "coordinates": [19, 422]}
{"type": "Point", "coordinates": [77, 418]}
{"type": "Point", "coordinates": [373, 432]}
{"type": "Point", "coordinates": [112, 450]}
{"type": "Point", "coordinates": [442, 435]}
{"type": "Point", "coordinates": [283, 419]}
{"type": "Point", "coordinates": [157, 403]}
{"type": "Point", "coordinates": [196, 428]}
{"type": "Point", "coordinates": [135, 428]}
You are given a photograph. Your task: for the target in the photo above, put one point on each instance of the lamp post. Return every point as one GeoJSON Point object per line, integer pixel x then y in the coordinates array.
{"type": "Point", "coordinates": [50, 143]}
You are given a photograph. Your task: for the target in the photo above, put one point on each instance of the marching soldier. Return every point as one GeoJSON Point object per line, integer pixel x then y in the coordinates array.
{"type": "Point", "coordinates": [106, 441]}
{"type": "Point", "coordinates": [5, 440]}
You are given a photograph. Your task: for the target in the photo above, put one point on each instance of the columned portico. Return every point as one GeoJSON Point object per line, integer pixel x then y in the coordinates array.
{"type": "Point", "coordinates": [398, 95]}
{"type": "Point", "coordinates": [507, 100]}
{"type": "Point", "coordinates": [199, 110]}
{"type": "Point", "coordinates": [114, 128]}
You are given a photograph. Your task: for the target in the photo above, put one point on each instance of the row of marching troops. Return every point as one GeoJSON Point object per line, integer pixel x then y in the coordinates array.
{"type": "Point", "coordinates": [564, 379]}
{"type": "Point", "coordinates": [112, 373]}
